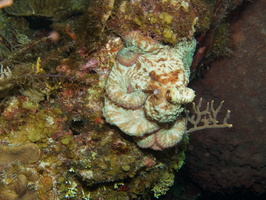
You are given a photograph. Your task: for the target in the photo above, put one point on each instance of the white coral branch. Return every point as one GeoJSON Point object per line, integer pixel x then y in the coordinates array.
{"type": "Point", "coordinates": [5, 72]}
{"type": "Point", "coordinates": [207, 117]}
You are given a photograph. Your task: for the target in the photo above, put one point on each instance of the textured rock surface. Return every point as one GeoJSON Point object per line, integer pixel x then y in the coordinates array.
{"type": "Point", "coordinates": [44, 8]}
{"type": "Point", "coordinates": [26, 153]}
{"type": "Point", "coordinates": [235, 158]}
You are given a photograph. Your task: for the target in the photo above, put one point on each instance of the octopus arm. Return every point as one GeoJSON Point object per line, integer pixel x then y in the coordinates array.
{"type": "Point", "coordinates": [186, 50]}
{"type": "Point", "coordinates": [146, 142]}
{"type": "Point", "coordinates": [180, 95]}
{"type": "Point", "coordinates": [120, 91]}
{"type": "Point", "coordinates": [166, 138]}
{"type": "Point", "coordinates": [131, 122]}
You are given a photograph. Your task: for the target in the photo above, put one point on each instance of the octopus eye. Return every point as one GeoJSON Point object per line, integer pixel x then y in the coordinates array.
{"type": "Point", "coordinates": [156, 91]}
{"type": "Point", "coordinates": [168, 96]}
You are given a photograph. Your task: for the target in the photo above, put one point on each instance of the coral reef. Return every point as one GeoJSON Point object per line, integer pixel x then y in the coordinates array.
{"type": "Point", "coordinates": [5, 74]}
{"type": "Point", "coordinates": [25, 154]}
{"type": "Point", "coordinates": [111, 165]}
{"type": "Point", "coordinates": [53, 73]}
{"type": "Point", "coordinates": [216, 41]}
{"type": "Point", "coordinates": [81, 157]}
{"type": "Point", "coordinates": [147, 89]}
{"type": "Point", "coordinates": [34, 86]}
{"type": "Point", "coordinates": [47, 8]}
{"type": "Point", "coordinates": [164, 20]}
{"type": "Point", "coordinates": [17, 190]}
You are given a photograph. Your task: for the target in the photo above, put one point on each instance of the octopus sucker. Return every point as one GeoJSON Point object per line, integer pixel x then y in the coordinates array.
{"type": "Point", "coordinates": [147, 90]}
{"type": "Point", "coordinates": [127, 57]}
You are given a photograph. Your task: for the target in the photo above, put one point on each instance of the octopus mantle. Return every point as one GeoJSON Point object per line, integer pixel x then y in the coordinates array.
{"type": "Point", "coordinates": [147, 88]}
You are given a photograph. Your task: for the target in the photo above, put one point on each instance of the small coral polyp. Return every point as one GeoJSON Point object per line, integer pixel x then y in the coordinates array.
{"type": "Point", "coordinates": [147, 89]}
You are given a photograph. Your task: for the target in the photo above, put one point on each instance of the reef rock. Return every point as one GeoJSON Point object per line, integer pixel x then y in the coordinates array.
{"type": "Point", "coordinates": [46, 8]}
{"type": "Point", "coordinates": [25, 154]}
{"type": "Point", "coordinates": [147, 88]}
{"type": "Point", "coordinates": [233, 160]}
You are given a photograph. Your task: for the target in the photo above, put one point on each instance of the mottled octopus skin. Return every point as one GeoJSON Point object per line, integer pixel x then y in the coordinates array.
{"type": "Point", "coordinates": [147, 89]}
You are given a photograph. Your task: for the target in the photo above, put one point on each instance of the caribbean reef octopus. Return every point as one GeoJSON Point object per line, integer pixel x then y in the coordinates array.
{"type": "Point", "coordinates": [147, 89]}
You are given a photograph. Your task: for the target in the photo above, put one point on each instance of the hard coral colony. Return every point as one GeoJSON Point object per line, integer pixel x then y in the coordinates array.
{"type": "Point", "coordinates": [147, 88]}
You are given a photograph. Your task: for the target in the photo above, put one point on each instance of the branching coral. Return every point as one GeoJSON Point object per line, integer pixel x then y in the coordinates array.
{"type": "Point", "coordinates": [206, 118]}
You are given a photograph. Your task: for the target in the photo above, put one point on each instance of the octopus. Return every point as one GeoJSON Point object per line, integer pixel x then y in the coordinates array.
{"type": "Point", "coordinates": [146, 90]}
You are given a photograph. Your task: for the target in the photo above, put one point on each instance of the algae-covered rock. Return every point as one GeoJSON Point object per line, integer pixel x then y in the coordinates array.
{"type": "Point", "coordinates": [45, 8]}
{"type": "Point", "coordinates": [18, 190]}
{"type": "Point", "coordinates": [166, 21]}
{"type": "Point", "coordinates": [105, 166]}
{"type": "Point", "coordinates": [25, 154]}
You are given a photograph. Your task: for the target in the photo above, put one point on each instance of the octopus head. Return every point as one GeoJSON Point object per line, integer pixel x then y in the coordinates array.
{"type": "Point", "coordinates": [160, 107]}
{"type": "Point", "coordinates": [165, 105]}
